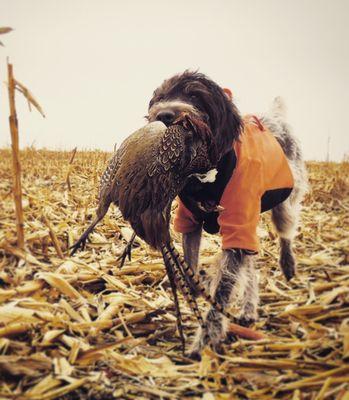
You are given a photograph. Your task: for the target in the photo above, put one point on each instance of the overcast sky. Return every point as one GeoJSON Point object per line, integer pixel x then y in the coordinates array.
{"type": "Point", "coordinates": [93, 64]}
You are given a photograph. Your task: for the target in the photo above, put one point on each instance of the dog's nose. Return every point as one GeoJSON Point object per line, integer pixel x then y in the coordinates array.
{"type": "Point", "coordinates": [166, 116]}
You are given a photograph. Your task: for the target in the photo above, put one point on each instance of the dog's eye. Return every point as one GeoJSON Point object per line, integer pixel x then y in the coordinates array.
{"type": "Point", "coordinates": [193, 97]}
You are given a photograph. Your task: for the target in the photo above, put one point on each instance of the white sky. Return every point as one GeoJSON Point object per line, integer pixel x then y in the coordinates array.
{"type": "Point", "coordinates": [93, 65]}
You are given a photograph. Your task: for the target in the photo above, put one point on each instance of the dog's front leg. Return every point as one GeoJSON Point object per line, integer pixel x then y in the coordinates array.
{"type": "Point", "coordinates": [227, 286]}
{"type": "Point", "coordinates": [191, 246]}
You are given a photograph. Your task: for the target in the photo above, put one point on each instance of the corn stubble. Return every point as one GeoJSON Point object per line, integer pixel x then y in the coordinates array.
{"type": "Point", "coordinates": [80, 327]}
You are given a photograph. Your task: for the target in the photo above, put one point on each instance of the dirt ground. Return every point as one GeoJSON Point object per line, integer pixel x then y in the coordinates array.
{"type": "Point", "coordinates": [81, 328]}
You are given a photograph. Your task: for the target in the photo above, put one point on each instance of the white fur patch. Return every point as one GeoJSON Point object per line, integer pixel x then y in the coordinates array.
{"type": "Point", "coordinates": [209, 177]}
{"type": "Point", "coordinates": [175, 105]}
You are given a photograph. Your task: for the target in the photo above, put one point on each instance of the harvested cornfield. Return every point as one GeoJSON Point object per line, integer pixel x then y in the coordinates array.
{"type": "Point", "coordinates": [81, 328]}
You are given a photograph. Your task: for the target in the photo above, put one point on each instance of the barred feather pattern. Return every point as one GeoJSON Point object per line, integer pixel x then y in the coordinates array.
{"type": "Point", "coordinates": [109, 174]}
{"type": "Point", "coordinates": [169, 151]}
{"type": "Point", "coordinates": [183, 286]}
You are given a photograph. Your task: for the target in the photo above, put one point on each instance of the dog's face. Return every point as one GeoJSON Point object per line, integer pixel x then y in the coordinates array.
{"type": "Point", "coordinates": [195, 94]}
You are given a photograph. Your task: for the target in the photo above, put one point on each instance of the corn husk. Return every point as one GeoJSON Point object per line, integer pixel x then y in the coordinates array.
{"type": "Point", "coordinates": [83, 328]}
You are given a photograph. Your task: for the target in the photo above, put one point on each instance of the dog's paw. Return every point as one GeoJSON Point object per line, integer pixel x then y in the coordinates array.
{"type": "Point", "coordinates": [246, 321]}
{"type": "Point", "coordinates": [197, 347]}
{"type": "Point", "coordinates": [194, 355]}
{"type": "Point", "coordinates": [212, 334]}
{"type": "Point", "coordinates": [249, 313]}
{"type": "Point", "coordinates": [288, 264]}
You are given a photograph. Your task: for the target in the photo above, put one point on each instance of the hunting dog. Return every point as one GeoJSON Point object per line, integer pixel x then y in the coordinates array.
{"type": "Point", "coordinates": [234, 281]}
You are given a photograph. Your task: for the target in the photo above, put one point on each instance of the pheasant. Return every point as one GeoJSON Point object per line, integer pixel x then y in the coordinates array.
{"type": "Point", "coordinates": [143, 177]}
{"type": "Point", "coordinates": [147, 172]}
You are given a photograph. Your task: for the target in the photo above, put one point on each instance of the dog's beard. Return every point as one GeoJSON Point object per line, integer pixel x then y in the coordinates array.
{"type": "Point", "coordinates": [178, 107]}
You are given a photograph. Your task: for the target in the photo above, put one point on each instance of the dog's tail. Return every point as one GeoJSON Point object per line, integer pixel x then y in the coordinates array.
{"type": "Point", "coordinates": [278, 108]}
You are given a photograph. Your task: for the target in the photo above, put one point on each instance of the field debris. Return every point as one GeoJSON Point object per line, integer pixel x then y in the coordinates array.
{"type": "Point", "coordinates": [3, 31]}
{"type": "Point", "coordinates": [81, 328]}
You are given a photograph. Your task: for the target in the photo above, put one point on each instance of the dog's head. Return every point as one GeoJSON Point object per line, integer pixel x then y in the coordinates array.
{"type": "Point", "coordinates": [194, 93]}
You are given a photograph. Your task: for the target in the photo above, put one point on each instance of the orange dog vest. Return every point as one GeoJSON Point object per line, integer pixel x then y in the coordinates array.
{"type": "Point", "coordinates": [261, 170]}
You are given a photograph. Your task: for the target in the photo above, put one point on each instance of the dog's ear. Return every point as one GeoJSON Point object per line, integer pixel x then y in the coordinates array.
{"type": "Point", "coordinates": [229, 93]}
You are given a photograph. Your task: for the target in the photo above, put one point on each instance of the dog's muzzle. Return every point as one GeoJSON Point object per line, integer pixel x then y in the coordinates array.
{"type": "Point", "coordinates": [166, 116]}
{"type": "Point", "coordinates": [168, 111]}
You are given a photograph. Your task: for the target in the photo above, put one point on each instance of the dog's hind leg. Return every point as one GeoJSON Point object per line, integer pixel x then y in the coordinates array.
{"type": "Point", "coordinates": [285, 217]}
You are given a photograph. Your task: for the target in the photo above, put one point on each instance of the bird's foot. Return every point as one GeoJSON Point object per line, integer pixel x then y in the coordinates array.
{"type": "Point", "coordinates": [79, 244]}
{"type": "Point", "coordinates": [126, 253]}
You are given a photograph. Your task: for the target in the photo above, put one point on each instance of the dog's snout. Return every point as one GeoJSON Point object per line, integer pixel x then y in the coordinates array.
{"type": "Point", "coordinates": [166, 116]}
